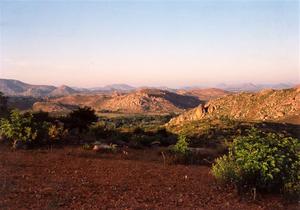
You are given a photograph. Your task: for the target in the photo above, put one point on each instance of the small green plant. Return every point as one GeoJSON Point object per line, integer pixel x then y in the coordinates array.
{"type": "Point", "coordinates": [264, 161]}
{"type": "Point", "coordinates": [181, 147]}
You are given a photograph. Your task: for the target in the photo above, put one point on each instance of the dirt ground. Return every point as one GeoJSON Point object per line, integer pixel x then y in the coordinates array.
{"type": "Point", "coordinates": [72, 178]}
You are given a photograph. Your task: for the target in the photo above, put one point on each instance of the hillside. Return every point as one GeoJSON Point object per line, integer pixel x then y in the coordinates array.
{"type": "Point", "coordinates": [140, 101]}
{"type": "Point", "coordinates": [62, 91]}
{"type": "Point", "coordinates": [265, 105]}
{"type": "Point", "coordinates": [53, 107]}
{"type": "Point", "coordinates": [18, 88]}
{"type": "Point", "coordinates": [150, 100]}
{"type": "Point", "coordinates": [204, 94]}
{"type": "Point", "coordinates": [92, 100]}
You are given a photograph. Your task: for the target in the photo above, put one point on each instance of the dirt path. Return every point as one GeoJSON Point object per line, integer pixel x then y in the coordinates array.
{"type": "Point", "coordinates": [72, 178]}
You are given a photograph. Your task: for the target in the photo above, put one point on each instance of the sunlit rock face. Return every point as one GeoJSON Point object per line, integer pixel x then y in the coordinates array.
{"type": "Point", "coordinates": [267, 104]}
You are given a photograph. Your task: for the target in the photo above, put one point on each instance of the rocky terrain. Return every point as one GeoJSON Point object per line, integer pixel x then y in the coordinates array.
{"type": "Point", "coordinates": [140, 101]}
{"type": "Point", "coordinates": [150, 100]}
{"type": "Point", "coordinates": [265, 105]}
{"type": "Point", "coordinates": [205, 94]}
{"type": "Point", "coordinates": [52, 107]}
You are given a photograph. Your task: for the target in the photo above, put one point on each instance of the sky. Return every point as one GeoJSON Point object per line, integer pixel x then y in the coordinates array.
{"type": "Point", "coordinates": [149, 42]}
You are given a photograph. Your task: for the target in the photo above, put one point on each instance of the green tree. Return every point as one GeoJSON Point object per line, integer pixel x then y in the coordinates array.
{"type": "Point", "coordinates": [3, 104]}
{"type": "Point", "coordinates": [18, 127]}
{"type": "Point", "coordinates": [81, 118]}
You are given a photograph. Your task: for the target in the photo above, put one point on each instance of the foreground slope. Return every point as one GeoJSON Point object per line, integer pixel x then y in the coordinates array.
{"type": "Point", "coordinates": [279, 105]}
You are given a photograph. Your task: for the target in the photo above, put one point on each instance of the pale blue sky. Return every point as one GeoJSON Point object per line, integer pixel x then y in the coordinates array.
{"type": "Point", "coordinates": [160, 43]}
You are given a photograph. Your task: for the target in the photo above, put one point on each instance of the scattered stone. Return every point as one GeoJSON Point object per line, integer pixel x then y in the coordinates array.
{"type": "Point", "coordinates": [155, 144]}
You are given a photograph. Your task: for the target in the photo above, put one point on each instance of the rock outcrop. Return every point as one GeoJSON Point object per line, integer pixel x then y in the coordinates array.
{"type": "Point", "coordinates": [267, 104]}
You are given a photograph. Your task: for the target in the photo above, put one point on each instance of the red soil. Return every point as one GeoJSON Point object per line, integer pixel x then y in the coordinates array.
{"type": "Point", "coordinates": [72, 178]}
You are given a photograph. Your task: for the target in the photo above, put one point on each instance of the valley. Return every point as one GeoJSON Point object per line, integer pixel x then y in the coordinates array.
{"type": "Point", "coordinates": [117, 141]}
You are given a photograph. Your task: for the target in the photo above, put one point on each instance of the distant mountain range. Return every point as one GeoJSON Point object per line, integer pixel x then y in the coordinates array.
{"type": "Point", "coordinates": [17, 88]}
{"type": "Point", "coordinates": [250, 87]}
{"type": "Point", "coordinates": [114, 87]}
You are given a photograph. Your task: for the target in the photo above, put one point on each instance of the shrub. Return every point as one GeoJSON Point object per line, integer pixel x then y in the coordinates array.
{"type": "Point", "coordinates": [81, 118]}
{"type": "Point", "coordinates": [181, 147]}
{"type": "Point", "coordinates": [225, 169]}
{"type": "Point", "coordinates": [30, 129]}
{"type": "Point", "coordinates": [57, 132]}
{"type": "Point", "coordinates": [41, 116]}
{"type": "Point", "coordinates": [265, 161]}
{"type": "Point", "coordinates": [3, 104]}
{"type": "Point", "coordinates": [180, 152]}
{"type": "Point", "coordinates": [19, 128]}
{"type": "Point", "coordinates": [102, 129]}
{"type": "Point", "coordinates": [138, 130]}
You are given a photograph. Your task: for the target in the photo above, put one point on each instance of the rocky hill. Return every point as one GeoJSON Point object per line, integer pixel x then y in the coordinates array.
{"type": "Point", "coordinates": [53, 107]}
{"type": "Point", "coordinates": [18, 88]}
{"type": "Point", "coordinates": [91, 100]}
{"type": "Point", "coordinates": [114, 87]}
{"type": "Point", "coordinates": [267, 104]}
{"type": "Point", "coordinates": [150, 100]}
{"type": "Point", "coordinates": [62, 91]}
{"type": "Point", "coordinates": [204, 94]}
{"type": "Point", "coordinates": [140, 101]}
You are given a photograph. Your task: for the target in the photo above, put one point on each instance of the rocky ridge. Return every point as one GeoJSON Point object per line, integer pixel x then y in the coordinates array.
{"type": "Point", "coordinates": [267, 104]}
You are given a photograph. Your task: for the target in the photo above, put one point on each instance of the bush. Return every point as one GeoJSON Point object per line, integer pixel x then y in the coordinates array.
{"type": "Point", "coordinates": [181, 147]}
{"type": "Point", "coordinates": [19, 128]}
{"type": "Point", "coordinates": [3, 104]}
{"type": "Point", "coordinates": [30, 129]}
{"type": "Point", "coordinates": [180, 152]}
{"type": "Point", "coordinates": [41, 116]}
{"type": "Point", "coordinates": [265, 161]}
{"type": "Point", "coordinates": [81, 118]}
{"type": "Point", "coordinates": [57, 132]}
{"type": "Point", "coordinates": [102, 129]}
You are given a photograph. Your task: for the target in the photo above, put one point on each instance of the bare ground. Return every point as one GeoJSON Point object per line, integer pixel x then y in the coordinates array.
{"type": "Point", "coordinates": [72, 178]}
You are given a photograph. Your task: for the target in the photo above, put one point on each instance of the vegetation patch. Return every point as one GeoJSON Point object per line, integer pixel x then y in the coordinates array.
{"type": "Point", "coordinates": [262, 161]}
